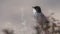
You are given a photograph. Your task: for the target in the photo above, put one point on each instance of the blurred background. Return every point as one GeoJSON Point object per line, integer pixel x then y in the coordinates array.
{"type": "Point", "coordinates": [18, 15]}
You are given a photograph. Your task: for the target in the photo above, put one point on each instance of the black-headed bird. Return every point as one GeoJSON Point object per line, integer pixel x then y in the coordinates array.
{"type": "Point", "coordinates": [40, 17]}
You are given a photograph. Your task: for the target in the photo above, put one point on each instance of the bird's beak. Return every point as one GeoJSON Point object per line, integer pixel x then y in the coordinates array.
{"type": "Point", "coordinates": [33, 7]}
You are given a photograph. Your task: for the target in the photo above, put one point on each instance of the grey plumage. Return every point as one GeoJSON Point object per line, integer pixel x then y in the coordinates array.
{"type": "Point", "coordinates": [41, 20]}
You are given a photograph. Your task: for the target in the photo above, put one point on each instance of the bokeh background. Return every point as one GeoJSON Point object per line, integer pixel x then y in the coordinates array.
{"type": "Point", "coordinates": [18, 15]}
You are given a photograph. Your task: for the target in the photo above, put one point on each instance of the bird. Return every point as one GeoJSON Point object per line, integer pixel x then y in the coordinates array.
{"type": "Point", "coordinates": [40, 17]}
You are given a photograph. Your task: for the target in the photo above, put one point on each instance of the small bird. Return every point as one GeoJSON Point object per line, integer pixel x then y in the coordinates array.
{"type": "Point", "coordinates": [40, 17]}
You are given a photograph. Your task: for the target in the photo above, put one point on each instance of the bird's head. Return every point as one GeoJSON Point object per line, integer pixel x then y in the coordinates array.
{"type": "Point", "coordinates": [38, 9]}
